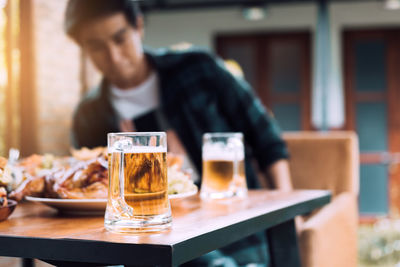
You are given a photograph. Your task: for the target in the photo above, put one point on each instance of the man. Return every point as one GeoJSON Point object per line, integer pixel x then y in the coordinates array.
{"type": "Point", "coordinates": [184, 93]}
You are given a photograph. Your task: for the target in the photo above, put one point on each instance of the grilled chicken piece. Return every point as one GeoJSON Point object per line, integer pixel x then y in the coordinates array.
{"type": "Point", "coordinates": [68, 178]}
{"type": "Point", "coordinates": [95, 190]}
{"type": "Point", "coordinates": [80, 181]}
{"type": "Point", "coordinates": [85, 175]}
{"type": "Point", "coordinates": [57, 183]}
{"type": "Point", "coordinates": [32, 186]}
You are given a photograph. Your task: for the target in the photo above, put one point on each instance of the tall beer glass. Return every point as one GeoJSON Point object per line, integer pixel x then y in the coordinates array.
{"type": "Point", "coordinates": [223, 166]}
{"type": "Point", "coordinates": [138, 186]}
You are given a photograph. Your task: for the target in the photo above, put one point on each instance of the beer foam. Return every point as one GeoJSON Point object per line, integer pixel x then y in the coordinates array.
{"type": "Point", "coordinates": [140, 149]}
{"type": "Point", "coordinates": [222, 154]}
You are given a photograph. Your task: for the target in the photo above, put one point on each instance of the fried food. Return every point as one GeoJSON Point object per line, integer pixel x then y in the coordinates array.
{"type": "Point", "coordinates": [88, 154]}
{"type": "Point", "coordinates": [5, 178]}
{"type": "Point", "coordinates": [83, 176]}
{"type": "Point", "coordinates": [82, 179]}
{"type": "Point", "coordinates": [95, 190]}
{"type": "Point", "coordinates": [3, 163]}
{"type": "Point", "coordinates": [33, 186]}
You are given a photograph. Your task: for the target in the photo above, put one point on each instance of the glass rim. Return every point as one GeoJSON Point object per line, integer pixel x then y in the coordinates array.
{"type": "Point", "coordinates": [137, 134]}
{"type": "Point", "coordinates": [223, 134]}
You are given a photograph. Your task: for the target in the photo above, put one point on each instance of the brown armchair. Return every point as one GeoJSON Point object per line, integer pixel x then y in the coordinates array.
{"type": "Point", "coordinates": [329, 161]}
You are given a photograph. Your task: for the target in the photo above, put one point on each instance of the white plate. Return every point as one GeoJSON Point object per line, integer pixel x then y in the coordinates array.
{"type": "Point", "coordinates": [87, 206]}
{"type": "Point", "coordinates": [183, 195]}
{"type": "Point", "coordinates": [73, 206]}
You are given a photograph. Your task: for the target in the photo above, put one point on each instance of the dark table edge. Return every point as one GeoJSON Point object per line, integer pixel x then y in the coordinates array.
{"type": "Point", "coordinates": [76, 250]}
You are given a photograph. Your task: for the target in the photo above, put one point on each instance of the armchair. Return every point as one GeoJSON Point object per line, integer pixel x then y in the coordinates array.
{"type": "Point", "coordinates": [328, 237]}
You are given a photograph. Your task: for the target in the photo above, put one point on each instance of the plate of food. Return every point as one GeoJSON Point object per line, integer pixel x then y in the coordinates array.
{"type": "Point", "coordinates": [79, 184]}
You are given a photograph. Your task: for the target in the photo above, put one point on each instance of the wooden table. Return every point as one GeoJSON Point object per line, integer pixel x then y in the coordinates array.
{"type": "Point", "coordinates": [37, 231]}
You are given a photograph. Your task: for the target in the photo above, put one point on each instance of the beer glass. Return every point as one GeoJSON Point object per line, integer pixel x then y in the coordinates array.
{"type": "Point", "coordinates": [138, 185]}
{"type": "Point", "coordinates": [223, 166]}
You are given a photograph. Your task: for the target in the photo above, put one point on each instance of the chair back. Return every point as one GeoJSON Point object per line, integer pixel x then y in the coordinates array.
{"type": "Point", "coordinates": [324, 160]}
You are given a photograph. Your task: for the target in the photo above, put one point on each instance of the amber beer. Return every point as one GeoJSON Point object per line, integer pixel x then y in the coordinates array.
{"type": "Point", "coordinates": [146, 185]}
{"type": "Point", "coordinates": [219, 175]}
{"type": "Point", "coordinates": [138, 190]}
{"type": "Point", "coordinates": [145, 182]}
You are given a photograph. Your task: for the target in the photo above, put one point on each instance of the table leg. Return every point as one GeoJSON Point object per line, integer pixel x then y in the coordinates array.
{"type": "Point", "coordinates": [283, 246]}
{"type": "Point", "coordinates": [27, 262]}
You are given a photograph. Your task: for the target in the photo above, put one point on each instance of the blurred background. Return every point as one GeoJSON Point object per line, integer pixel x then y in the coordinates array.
{"type": "Point", "coordinates": [317, 65]}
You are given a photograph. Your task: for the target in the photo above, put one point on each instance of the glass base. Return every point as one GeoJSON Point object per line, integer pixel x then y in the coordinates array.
{"type": "Point", "coordinates": [216, 195]}
{"type": "Point", "coordinates": [224, 194]}
{"type": "Point", "coordinates": [139, 224]}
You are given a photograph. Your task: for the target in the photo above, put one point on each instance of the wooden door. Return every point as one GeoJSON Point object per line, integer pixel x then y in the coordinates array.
{"type": "Point", "coordinates": [372, 86]}
{"type": "Point", "coordinates": [277, 66]}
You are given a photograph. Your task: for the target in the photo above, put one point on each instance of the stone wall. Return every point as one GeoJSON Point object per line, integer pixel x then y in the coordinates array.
{"type": "Point", "coordinates": [58, 83]}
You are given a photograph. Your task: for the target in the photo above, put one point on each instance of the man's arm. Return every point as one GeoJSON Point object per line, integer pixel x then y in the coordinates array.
{"type": "Point", "coordinates": [246, 114]}
{"type": "Point", "coordinates": [278, 176]}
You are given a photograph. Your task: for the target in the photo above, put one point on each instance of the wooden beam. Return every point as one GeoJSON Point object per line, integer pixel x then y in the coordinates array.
{"type": "Point", "coordinates": [28, 101]}
{"type": "Point", "coordinates": [9, 67]}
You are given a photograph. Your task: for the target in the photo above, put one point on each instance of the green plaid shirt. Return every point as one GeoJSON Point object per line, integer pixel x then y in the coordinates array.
{"type": "Point", "coordinates": [198, 95]}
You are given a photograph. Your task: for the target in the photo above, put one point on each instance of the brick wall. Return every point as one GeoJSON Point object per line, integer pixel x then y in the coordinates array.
{"type": "Point", "coordinates": [58, 84]}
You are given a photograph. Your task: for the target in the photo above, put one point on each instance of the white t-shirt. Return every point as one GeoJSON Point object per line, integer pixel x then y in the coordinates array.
{"type": "Point", "coordinates": [133, 102]}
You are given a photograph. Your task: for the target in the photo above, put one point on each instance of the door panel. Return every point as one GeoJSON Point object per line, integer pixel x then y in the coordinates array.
{"type": "Point", "coordinates": [278, 68]}
{"type": "Point", "coordinates": [371, 126]}
{"type": "Point", "coordinates": [245, 54]}
{"type": "Point", "coordinates": [374, 188]}
{"type": "Point", "coordinates": [370, 65]}
{"type": "Point", "coordinates": [285, 66]}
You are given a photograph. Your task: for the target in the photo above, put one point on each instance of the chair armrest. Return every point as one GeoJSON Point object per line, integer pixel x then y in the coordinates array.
{"type": "Point", "coordinates": [329, 237]}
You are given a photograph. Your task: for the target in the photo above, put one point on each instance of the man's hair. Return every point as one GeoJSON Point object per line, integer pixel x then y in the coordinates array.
{"type": "Point", "coordinates": [79, 12]}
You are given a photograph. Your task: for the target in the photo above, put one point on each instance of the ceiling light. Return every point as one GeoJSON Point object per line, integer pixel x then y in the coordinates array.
{"type": "Point", "coordinates": [392, 4]}
{"type": "Point", "coordinates": [254, 13]}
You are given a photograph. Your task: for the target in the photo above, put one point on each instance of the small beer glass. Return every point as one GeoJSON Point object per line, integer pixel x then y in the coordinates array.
{"type": "Point", "coordinates": [223, 166]}
{"type": "Point", "coordinates": [138, 185]}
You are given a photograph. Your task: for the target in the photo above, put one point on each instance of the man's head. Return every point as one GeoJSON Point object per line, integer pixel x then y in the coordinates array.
{"type": "Point", "coordinates": [111, 32]}
{"type": "Point", "coordinates": [79, 12]}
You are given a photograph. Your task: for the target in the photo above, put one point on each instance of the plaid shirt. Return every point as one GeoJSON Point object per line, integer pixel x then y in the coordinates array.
{"type": "Point", "coordinates": [198, 95]}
